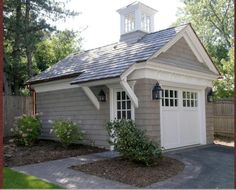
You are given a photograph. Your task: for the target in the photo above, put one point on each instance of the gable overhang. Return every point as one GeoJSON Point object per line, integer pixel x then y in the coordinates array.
{"type": "Point", "coordinates": [195, 45]}
{"type": "Point", "coordinates": [168, 74]}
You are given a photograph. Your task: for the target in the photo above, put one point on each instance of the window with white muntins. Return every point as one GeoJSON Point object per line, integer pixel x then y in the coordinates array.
{"type": "Point", "coordinates": [169, 98]}
{"type": "Point", "coordinates": [123, 106]}
{"type": "Point", "coordinates": [190, 99]}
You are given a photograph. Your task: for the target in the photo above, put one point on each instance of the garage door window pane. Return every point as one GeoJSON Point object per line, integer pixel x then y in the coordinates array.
{"type": "Point", "coordinates": [184, 103]}
{"type": "Point", "coordinates": [189, 99]}
{"type": "Point", "coordinates": [166, 93]}
{"type": "Point", "coordinates": [176, 103]}
{"type": "Point", "coordinates": [170, 98]}
{"type": "Point", "coordinates": [166, 102]}
{"type": "Point", "coordinates": [171, 102]}
{"type": "Point", "coordinates": [176, 94]}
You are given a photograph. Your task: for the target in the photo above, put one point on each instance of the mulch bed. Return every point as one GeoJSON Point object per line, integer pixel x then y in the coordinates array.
{"type": "Point", "coordinates": [124, 171]}
{"type": "Point", "coordinates": [43, 150]}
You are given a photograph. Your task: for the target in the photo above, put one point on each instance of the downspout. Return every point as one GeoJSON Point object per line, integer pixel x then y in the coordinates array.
{"type": "Point", "coordinates": [33, 92]}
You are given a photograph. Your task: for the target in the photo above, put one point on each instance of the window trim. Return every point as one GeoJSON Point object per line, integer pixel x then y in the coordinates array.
{"type": "Point", "coordinates": [115, 104]}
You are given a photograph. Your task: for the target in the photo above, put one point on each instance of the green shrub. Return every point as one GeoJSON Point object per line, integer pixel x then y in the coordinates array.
{"type": "Point", "coordinates": [27, 130]}
{"type": "Point", "coordinates": [132, 143]}
{"type": "Point", "coordinates": [67, 132]}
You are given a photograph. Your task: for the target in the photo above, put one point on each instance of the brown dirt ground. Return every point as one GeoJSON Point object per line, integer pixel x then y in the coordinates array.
{"type": "Point", "coordinates": [43, 150]}
{"type": "Point", "coordinates": [131, 173]}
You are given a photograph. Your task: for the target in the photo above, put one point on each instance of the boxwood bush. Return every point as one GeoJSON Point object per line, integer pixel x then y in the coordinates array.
{"type": "Point", "coordinates": [132, 143]}
{"type": "Point", "coordinates": [67, 132]}
{"type": "Point", "coordinates": [27, 130]}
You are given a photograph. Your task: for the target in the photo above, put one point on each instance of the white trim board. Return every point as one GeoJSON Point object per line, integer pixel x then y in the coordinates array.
{"type": "Point", "coordinates": [165, 73]}
{"type": "Point", "coordinates": [54, 85]}
{"type": "Point", "coordinates": [91, 96]}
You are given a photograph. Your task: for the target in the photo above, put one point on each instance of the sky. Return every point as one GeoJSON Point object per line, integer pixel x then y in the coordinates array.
{"type": "Point", "coordinates": [100, 23]}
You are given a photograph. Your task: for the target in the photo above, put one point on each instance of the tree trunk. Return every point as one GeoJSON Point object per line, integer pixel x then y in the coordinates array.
{"type": "Point", "coordinates": [16, 50]}
{"type": "Point", "coordinates": [28, 42]}
{"type": "Point", "coordinates": [29, 62]}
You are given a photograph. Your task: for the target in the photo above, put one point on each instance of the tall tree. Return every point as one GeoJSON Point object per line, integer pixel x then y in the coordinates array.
{"type": "Point", "coordinates": [213, 21]}
{"type": "Point", "coordinates": [56, 47]}
{"type": "Point", "coordinates": [25, 23]}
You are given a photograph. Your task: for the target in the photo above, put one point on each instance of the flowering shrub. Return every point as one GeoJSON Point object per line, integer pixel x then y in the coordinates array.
{"type": "Point", "coordinates": [132, 143]}
{"type": "Point", "coordinates": [67, 132]}
{"type": "Point", "coordinates": [27, 130]}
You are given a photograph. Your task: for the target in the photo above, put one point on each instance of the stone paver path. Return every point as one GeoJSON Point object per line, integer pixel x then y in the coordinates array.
{"type": "Point", "coordinates": [57, 172]}
{"type": "Point", "coordinates": [205, 167]}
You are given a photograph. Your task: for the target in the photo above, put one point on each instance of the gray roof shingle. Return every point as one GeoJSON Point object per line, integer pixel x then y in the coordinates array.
{"type": "Point", "coordinates": [108, 61]}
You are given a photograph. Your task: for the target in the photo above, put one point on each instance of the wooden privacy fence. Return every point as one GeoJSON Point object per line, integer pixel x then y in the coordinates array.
{"type": "Point", "coordinates": [223, 117]}
{"type": "Point", "coordinates": [15, 106]}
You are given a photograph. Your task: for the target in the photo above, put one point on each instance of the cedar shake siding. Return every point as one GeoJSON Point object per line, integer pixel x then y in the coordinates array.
{"type": "Point", "coordinates": [73, 104]}
{"type": "Point", "coordinates": [147, 115]}
{"type": "Point", "coordinates": [180, 55]}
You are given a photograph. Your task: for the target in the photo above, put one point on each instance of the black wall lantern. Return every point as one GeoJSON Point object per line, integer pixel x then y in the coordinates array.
{"type": "Point", "coordinates": [157, 92]}
{"type": "Point", "coordinates": [210, 96]}
{"type": "Point", "coordinates": [102, 96]}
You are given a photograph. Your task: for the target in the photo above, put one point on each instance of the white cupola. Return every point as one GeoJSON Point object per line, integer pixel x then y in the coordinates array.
{"type": "Point", "coordinates": [136, 20]}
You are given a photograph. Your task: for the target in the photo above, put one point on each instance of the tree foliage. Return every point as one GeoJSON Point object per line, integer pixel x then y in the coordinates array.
{"type": "Point", "coordinates": [25, 24]}
{"type": "Point", "coordinates": [56, 47]}
{"type": "Point", "coordinates": [213, 21]}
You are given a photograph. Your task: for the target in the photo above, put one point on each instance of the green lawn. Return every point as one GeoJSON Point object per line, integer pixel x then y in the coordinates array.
{"type": "Point", "coordinates": [16, 180]}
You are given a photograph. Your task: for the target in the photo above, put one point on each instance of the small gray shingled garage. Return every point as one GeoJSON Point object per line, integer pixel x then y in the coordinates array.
{"type": "Point", "coordinates": [126, 73]}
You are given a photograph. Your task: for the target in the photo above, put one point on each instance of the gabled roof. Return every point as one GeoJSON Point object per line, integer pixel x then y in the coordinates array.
{"type": "Point", "coordinates": [108, 61]}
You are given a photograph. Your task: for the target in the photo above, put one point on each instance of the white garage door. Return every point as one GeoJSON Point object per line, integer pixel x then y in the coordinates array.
{"type": "Point", "coordinates": [180, 118]}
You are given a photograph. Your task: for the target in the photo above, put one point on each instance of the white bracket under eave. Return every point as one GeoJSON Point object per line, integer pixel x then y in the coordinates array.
{"type": "Point", "coordinates": [130, 92]}
{"type": "Point", "coordinates": [91, 96]}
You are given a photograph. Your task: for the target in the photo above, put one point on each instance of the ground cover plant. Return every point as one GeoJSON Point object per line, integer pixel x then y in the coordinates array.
{"type": "Point", "coordinates": [16, 180]}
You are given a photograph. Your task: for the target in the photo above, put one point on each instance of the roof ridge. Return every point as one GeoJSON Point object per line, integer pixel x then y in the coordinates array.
{"type": "Point", "coordinates": [169, 28]}
{"type": "Point", "coordinates": [83, 51]}
{"type": "Point", "coordinates": [116, 43]}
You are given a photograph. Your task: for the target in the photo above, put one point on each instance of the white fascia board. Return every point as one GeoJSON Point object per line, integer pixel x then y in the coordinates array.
{"type": "Point", "coordinates": [53, 85]}
{"type": "Point", "coordinates": [181, 71]}
{"type": "Point", "coordinates": [163, 76]}
{"type": "Point", "coordinates": [166, 73]}
{"type": "Point", "coordinates": [91, 96]}
{"type": "Point", "coordinates": [130, 92]}
{"type": "Point", "coordinates": [100, 82]}
{"type": "Point", "coordinates": [131, 69]}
